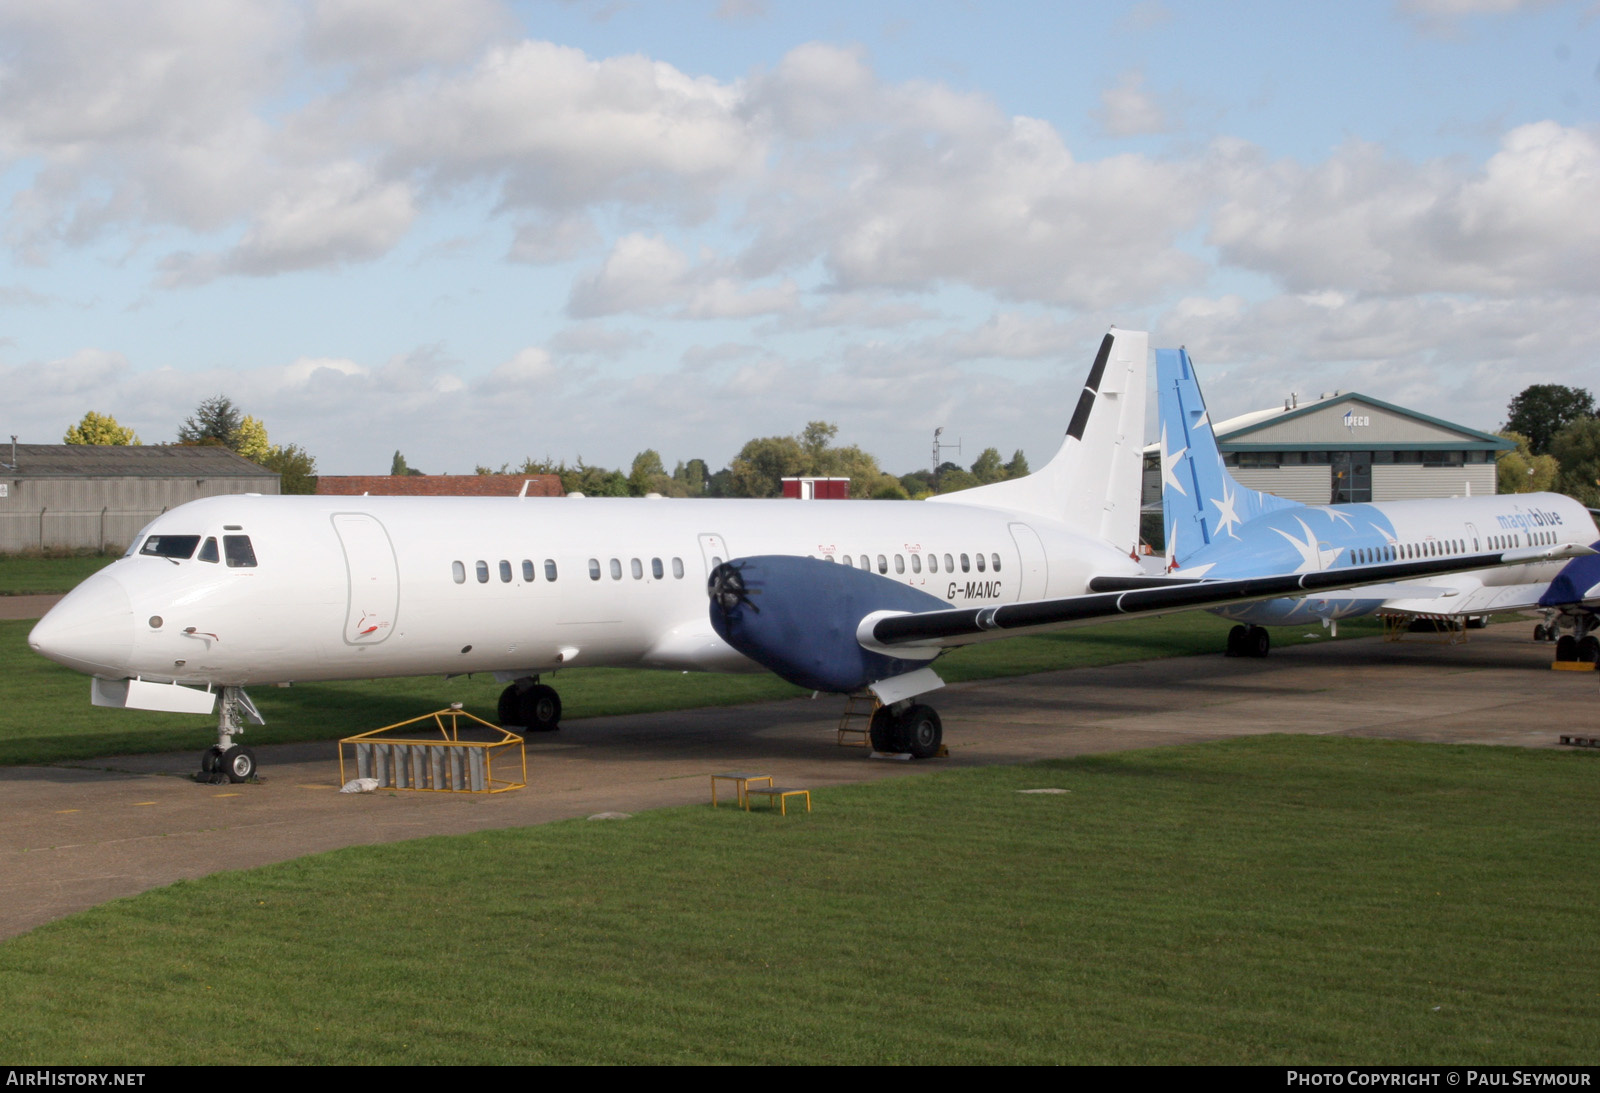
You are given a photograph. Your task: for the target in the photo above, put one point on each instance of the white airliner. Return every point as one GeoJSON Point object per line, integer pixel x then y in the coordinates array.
{"type": "Point", "coordinates": [839, 596]}
{"type": "Point", "coordinates": [1218, 528]}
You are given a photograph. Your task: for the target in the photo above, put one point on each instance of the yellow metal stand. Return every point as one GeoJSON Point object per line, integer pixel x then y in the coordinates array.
{"type": "Point", "coordinates": [858, 707]}
{"type": "Point", "coordinates": [741, 780]}
{"type": "Point", "coordinates": [780, 794]}
{"type": "Point", "coordinates": [1572, 666]}
{"type": "Point", "coordinates": [459, 757]}
{"type": "Point", "coordinates": [1446, 629]}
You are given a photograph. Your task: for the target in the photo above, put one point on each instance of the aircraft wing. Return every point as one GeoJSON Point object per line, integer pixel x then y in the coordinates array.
{"type": "Point", "coordinates": [1479, 600]}
{"type": "Point", "coordinates": [835, 628]}
{"type": "Point", "coordinates": [963, 625]}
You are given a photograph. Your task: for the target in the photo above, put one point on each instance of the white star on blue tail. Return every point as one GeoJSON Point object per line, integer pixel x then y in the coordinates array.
{"type": "Point", "coordinates": [1227, 516]}
{"type": "Point", "coordinates": [1169, 461]}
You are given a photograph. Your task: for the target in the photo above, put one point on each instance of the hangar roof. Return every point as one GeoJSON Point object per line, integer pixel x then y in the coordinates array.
{"type": "Point", "coordinates": [118, 461]}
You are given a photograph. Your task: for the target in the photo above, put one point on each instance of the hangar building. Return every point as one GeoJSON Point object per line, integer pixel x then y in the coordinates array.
{"type": "Point", "coordinates": [88, 497]}
{"type": "Point", "coordinates": [1348, 447]}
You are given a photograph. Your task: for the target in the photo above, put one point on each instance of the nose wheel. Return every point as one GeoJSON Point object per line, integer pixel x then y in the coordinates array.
{"type": "Point", "coordinates": [232, 764]}
{"type": "Point", "coordinates": [226, 762]}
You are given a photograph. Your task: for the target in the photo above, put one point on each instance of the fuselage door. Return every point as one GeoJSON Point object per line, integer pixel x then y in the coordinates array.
{"type": "Point", "coordinates": [714, 550]}
{"type": "Point", "coordinates": [374, 578]}
{"type": "Point", "coordinates": [1033, 575]}
{"type": "Point", "coordinates": [1472, 536]}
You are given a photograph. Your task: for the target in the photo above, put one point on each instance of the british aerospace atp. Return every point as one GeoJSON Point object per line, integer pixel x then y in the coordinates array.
{"type": "Point", "coordinates": [1219, 529]}
{"type": "Point", "coordinates": [843, 597]}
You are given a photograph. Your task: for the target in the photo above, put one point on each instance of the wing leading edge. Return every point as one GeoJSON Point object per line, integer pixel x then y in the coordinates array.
{"type": "Point", "coordinates": [1119, 597]}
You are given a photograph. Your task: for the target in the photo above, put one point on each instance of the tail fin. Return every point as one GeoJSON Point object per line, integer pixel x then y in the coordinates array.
{"type": "Point", "coordinates": [1093, 482]}
{"type": "Point", "coordinates": [1200, 500]}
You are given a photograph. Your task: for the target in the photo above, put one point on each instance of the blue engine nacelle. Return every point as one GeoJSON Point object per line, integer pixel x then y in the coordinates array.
{"type": "Point", "coordinates": [1571, 586]}
{"type": "Point", "coordinates": [798, 618]}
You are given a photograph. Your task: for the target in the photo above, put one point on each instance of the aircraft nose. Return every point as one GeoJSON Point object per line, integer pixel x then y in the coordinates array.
{"type": "Point", "coordinates": [91, 629]}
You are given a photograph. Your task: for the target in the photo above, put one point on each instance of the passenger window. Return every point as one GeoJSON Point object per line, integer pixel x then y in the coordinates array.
{"type": "Point", "coordinates": [845, 558]}
{"type": "Point", "coordinates": [656, 569]}
{"type": "Point", "coordinates": [933, 563]}
{"type": "Point", "coordinates": [483, 572]}
{"type": "Point", "coordinates": [616, 569]}
{"type": "Point", "coordinates": [995, 558]}
{"type": "Point", "coordinates": [505, 571]}
{"type": "Point", "coordinates": [899, 563]}
{"type": "Point", "coordinates": [980, 563]}
{"type": "Point", "coordinates": [638, 569]}
{"type": "Point", "coordinates": [949, 564]}
{"type": "Point", "coordinates": [677, 568]}
{"type": "Point", "coordinates": [549, 569]}
{"type": "Point", "coordinates": [916, 563]}
{"type": "Point", "coordinates": [208, 553]}
{"type": "Point", "coordinates": [238, 551]}
{"type": "Point", "coordinates": [527, 570]}
{"type": "Point", "coordinates": [966, 565]}
{"type": "Point", "coordinates": [866, 563]}
{"type": "Point", "coordinates": [883, 564]}
{"type": "Point", "coordinates": [171, 546]}
{"type": "Point", "coordinates": [594, 569]}
{"type": "Point", "coordinates": [459, 572]}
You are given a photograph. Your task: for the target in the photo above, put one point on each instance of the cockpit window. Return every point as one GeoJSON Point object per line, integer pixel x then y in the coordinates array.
{"type": "Point", "coordinates": [171, 546]}
{"type": "Point", "coordinates": [239, 552]}
{"type": "Point", "coordinates": [208, 553]}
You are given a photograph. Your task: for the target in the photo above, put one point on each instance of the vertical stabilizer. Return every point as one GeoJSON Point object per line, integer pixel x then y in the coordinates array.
{"type": "Point", "coordinates": [1200, 500]}
{"type": "Point", "coordinates": [1093, 482]}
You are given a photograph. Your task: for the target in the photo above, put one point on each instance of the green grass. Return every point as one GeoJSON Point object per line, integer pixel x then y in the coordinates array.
{"type": "Point", "coordinates": [1269, 900]}
{"type": "Point", "coordinates": [48, 717]}
{"type": "Point", "coordinates": [40, 574]}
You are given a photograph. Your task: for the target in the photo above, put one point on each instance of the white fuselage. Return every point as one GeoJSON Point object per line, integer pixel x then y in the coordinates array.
{"type": "Point", "coordinates": [363, 587]}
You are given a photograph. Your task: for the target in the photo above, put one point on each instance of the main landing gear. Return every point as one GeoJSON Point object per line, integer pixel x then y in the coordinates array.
{"type": "Point", "coordinates": [907, 727]}
{"type": "Point", "coordinates": [226, 761]}
{"type": "Point", "coordinates": [1248, 641]}
{"type": "Point", "coordinates": [530, 706]}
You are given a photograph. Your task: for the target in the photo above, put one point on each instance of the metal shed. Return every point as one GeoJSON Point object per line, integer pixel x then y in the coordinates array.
{"type": "Point", "coordinates": [86, 497]}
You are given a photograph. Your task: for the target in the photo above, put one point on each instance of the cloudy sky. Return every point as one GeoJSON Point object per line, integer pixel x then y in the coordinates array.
{"type": "Point", "coordinates": [478, 231]}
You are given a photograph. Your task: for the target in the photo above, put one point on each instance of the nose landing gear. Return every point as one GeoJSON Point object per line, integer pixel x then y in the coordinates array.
{"type": "Point", "coordinates": [226, 762]}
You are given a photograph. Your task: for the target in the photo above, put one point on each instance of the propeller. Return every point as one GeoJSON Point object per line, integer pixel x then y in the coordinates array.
{"type": "Point", "coordinates": [727, 589]}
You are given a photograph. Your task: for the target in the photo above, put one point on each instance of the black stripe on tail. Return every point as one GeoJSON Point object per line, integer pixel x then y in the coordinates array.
{"type": "Point", "coordinates": [1080, 416]}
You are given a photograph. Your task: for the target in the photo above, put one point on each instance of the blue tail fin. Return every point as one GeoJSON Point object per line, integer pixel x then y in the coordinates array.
{"type": "Point", "coordinates": [1200, 500]}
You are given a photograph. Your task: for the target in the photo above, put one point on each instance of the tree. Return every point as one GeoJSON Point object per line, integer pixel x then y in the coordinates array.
{"type": "Point", "coordinates": [215, 421]}
{"type": "Point", "coordinates": [251, 440]}
{"type": "Point", "coordinates": [100, 430]}
{"type": "Point", "coordinates": [649, 475]}
{"type": "Point", "coordinates": [761, 465]}
{"type": "Point", "coordinates": [814, 439]}
{"type": "Point", "coordinates": [399, 466]}
{"type": "Point", "coordinates": [693, 476]}
{"type": "Point", "coordinates": [1521, 471]}
{"type": "Point", "coordinates": [987, 467]}
{"type": "Point", "coordinates": [296, 468]}
{"type": "Point", "coordinates": [1544, 409]}
{"type": "Point", "coordinates": [1577, 449]}
{"type": "Point", "coordinates": [1018, 467]}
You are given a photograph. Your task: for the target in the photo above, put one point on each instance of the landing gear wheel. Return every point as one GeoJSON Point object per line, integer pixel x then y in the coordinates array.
{"type": "Point", "coordinates": [1539, 633]}
{"type": "Point", "coordinates": [1257, 642]}
{"type": "Point", "coordinates": [921, 731]}
{"type": "Point", "coordinates": [211, 759]}
{"type": "Point", "coordinates": [1589, 648]}
{"type": "Point", "coordinates": [509, 712]}
{"type": "Point", "coordinates": [1566, 647]}
{"type": "Point", "coordinates": [882, 731]}
{"type": "Point", "coordinates": [237, 763]}
{"type": "Point", "coordinates": [541, 708]}
{"type": "Point", "coordinates": [1236, 639]}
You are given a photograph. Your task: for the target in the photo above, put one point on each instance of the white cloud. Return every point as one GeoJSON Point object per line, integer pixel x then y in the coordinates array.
{"type": "Point", "coordinates": [1366, 221]}
{"type": "Point", "coordinates": [647, 273]}
{"type": "Point", "coordinates": [1128, 110]}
